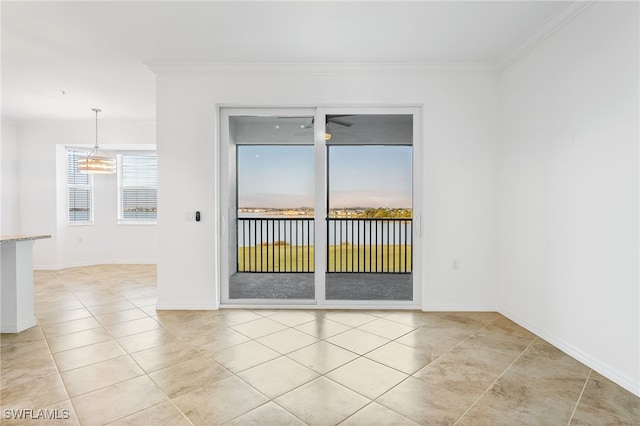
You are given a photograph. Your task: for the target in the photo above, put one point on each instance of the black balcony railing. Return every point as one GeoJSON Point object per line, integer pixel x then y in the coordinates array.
{"type": "Point", "coordinates": [275, 245]}
{"type": "Point", "coordinates": [369, 245]}
{"type": "Point", "coordinates": [353, 245]}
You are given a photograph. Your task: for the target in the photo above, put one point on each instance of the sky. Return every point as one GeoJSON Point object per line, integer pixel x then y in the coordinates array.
{"type": "Point", "coordinates": [282, 176]}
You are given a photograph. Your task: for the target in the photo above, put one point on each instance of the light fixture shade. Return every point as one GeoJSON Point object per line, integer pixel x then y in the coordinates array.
{"type": "Point", "coordinates": [94, 163]}
{"type": "Point", "coordinates": [97, 161]}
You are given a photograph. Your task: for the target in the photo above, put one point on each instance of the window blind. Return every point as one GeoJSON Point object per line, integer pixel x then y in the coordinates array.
{"type": "Point", "coordinates": [79, 190]}
{"type": "Point", "coordinates": [138, 188]}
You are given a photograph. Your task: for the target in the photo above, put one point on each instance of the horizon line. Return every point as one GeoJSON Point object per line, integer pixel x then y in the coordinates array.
{"type": "Point", "coordinates": [332, 208]}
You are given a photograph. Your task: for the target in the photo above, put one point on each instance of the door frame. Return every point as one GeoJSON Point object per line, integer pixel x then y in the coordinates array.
{"type": "Point", "coordinates": [226, 203]}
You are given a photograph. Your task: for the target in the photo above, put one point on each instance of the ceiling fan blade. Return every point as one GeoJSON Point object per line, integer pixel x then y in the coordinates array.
{"type": "Point", "coordinates": [330, 119]}
{"type": "Point", "coordinates": [339, 122]}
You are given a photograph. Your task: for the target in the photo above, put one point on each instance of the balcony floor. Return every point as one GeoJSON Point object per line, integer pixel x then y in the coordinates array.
{"type": "Point", "coordinates": [340, 286]}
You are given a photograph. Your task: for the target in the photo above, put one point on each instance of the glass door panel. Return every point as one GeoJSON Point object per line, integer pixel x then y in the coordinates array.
{"type": "Point", "coordinates": [275, 244]}
{"type": "Point", "coordinates": [369, 215]}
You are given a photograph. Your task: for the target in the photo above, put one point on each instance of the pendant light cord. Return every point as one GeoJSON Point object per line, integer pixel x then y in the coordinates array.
{"type": "Point", "coordinates": [96, 111]}
{"type": "Point", "coordinates": [96, 129]}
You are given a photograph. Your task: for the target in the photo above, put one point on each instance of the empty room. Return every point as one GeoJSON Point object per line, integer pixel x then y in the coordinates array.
{"type": "Point", "coordinates": [320, 213]}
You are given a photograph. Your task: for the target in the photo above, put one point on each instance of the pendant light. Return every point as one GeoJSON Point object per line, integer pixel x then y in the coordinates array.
{"type": "Point", "coordinates": [97, 161]}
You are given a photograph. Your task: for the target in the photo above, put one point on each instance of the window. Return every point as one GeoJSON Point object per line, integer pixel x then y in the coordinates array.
{"type": "Point", "coordinates": [137, 188]}
{"type": "Point", "coordinates": [79, 190]}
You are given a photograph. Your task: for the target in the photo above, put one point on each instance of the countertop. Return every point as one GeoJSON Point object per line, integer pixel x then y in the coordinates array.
{"type": "Point", "coordinates": [15, 238]}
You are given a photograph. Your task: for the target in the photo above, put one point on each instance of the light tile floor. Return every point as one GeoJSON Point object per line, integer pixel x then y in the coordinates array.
{"type": "Point", "coordinates": [101, 354]}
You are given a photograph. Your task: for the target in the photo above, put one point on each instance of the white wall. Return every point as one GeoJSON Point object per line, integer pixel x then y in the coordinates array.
{"type": "Point", "coordinates": [568, 191]}
{"type": "Point", "coordinates": [9, 178]}
{"type": "Point", "coordinates": [459, 162]}
{"type": "Point", "coordinates": [42, 196]}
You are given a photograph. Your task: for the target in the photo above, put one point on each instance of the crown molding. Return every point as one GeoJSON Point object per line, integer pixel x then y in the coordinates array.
{"type": "Point", "coordinates": [407, 69]}
{"type": "Point", "coordinates": [546, 30]}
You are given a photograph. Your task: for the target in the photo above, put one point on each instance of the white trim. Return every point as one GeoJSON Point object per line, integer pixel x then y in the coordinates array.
{"type": "Point", "coordinates": [218, 219]}
{"type": "Point", "coordinates": [46, 268]}
{"type": "Point", "coordinates": [221, 207]}
{"type": "Point", "coordinates": [458, 308]}
{"type": "Point", "coordinates": [226, 176]}
{"type": "Point", "coordinates": [417, 200]}
{"type": "Point", "coordinates": [16, 328]}
{"type": "Point", "coordinates": [115, 148]}
{"type": "Point", "coordinates": [170, 306]}
{"type": "Point", "coordinates": [320, 210]}
{"type": "Point", "coordinates": [83, 263]}
{"type": "Point", "coordinates": [556, 22]}
{"type": "Point", "coordinates": [629, 383]}
{"type": "Point", "coordinates": [293, 68]}
{"type": "Point", "coordinates": [546, 30]}
{"type": "Point", "coordinates": [225, 186]}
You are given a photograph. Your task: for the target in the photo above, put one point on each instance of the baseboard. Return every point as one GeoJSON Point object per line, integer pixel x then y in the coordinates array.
{"type": "Point", "coordinates": [458, 308]}
{"type": "Point", "coordinates": [629, 383]}
{"type": "Point", "coordinates": [170, 306]}
{"type": "Point", "coordinates": [95, 263]}
{"type": "Point", "coordinates": [17, 328]}
{"type": "Point", "coordinates": [46, 267]}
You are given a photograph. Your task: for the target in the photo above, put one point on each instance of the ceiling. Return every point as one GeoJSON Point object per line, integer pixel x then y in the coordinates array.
{"type": "Point", "coordinates": [60, 59]}
{"type": "Point", "coordinates": [350, 129]}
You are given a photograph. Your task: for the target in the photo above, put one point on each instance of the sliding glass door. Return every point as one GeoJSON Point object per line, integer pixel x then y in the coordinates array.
{"type": "Point", "coordinates": [317, 207]}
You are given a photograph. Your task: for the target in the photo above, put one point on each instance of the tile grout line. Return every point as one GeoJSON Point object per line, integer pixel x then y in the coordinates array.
{"type": "Point", "coordinates": [128, 354]}
{"type": "Point", "coordinates": [146, 374]}
{"type": "Point", "coordinates": [324, 375]}
{"type": "Point", "coordinates": [173, 327]}
{"type": "Point", "coordinates": [59, 374]}
{"type": "Point", "coordinates": [579, 397]}
{"type": "Point", "coordinates": [64, 385]}
{"type": "Point", "coordinates": [320, 375]}
{"type": "Point", "coordinates": [236, 374]}
{"type": "Point", "coordinates": [598, 409]}
{"type": "Point", "coordinates": [494, 382]}
{"type": "Point", "coordinates": [412, 375]}
{"type": "Point", "coordinates": [374, 401]}
{"type": "Point", "coordinates": [451, 348]}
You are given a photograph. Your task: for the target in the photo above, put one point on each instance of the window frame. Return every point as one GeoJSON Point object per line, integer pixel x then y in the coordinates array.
{"type": "Point", "coordinates": [90, 187]}
{"type": "Point", "coordinates": [121, 220]}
